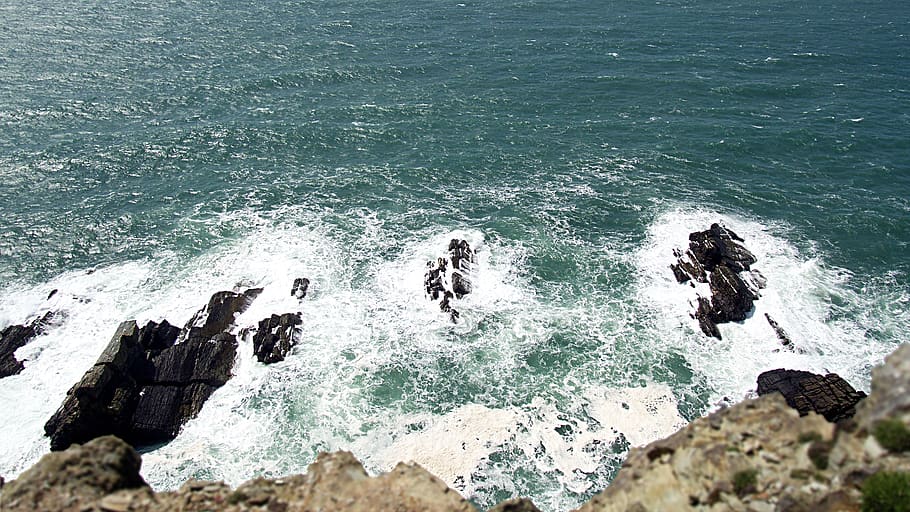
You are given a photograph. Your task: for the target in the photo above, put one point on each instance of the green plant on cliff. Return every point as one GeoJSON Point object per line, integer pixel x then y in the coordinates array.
{"type": "Point", "coordinates": [893, 435]}
{"type": "Point", "coordinates": [744, 481]}
{"type": "Point", "coordinates": [887, 491]}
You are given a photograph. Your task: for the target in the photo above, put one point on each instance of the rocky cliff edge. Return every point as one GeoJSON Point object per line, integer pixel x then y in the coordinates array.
{"type": "Point", "coordinates": [759, 455]}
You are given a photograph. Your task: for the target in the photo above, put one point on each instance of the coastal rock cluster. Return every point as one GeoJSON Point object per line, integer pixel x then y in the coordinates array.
{"type": "Point", "coordinates": [717, 257]}
{"type": "Point", "coordinates": [758, 455]}
{"type": "Point", "coordinates": [445, 286]}
{"type": "Point", "coordinates": [149, 381]}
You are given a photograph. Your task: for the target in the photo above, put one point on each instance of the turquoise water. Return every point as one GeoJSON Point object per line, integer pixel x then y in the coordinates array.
{"type": "Point", "coordinates": [179, 148]}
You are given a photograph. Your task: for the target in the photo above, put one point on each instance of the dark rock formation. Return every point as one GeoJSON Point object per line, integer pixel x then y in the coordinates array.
{"type": "Point", "coordinates": [444, 286]}
{"type": "Point", "coordinates": [515, 505]}
{"type": "Point", "coordinates": [716, 257]}
{"type": "Point", "coordinates": [299, 289]}
{"type": "Point", "coordinates": [829, 395]}
{"type": "Point", "coordinates": [779, 331]}
{"type": "Point", "coordinates": [275, 337]}
{"type": "Point", "coordinates": [146, 384]}
{"type": "Point", "coordinates": [15, 337]}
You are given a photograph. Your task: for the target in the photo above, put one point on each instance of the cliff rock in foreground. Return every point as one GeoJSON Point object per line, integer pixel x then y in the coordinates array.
{"type": "Point", "coordinates": [759, 455]}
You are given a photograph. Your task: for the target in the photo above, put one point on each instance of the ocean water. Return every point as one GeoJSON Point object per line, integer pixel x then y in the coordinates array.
{"type": "Point", "coordinates": [152, 154]}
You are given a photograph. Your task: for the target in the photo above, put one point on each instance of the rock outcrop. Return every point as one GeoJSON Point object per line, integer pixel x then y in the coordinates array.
{"type": "Point", "coordinates": [14, 337]}
{"type": "Point", "coordinates": [148, 382]}
{"type": "Point", "coordinates": [445, 286]}
{"type": "Point", "coordinates": [763, 455]}
{"type": "Point", "coordinates": [300, 287]}
{"type": "Point", "coordinates": [828, 395]}
{"type": "Point", "coordinates": [717, 258]}
{"type": "Point", "coordinates": [275, 337]}
{"type": "Point", "coordinates": [104, 475]}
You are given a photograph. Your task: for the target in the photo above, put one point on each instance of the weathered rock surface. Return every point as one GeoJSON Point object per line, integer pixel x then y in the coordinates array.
{"type": "Point", "coordinates": [761, 455]}
{"type": "Point", "coordinates": [445, 286]}
{"type": "Point", "coordinates": [275, 337]}
{"type": "Point", "coordinates": [828, 395]}
{"type": "Point", "coordinates": [77, 477]}
{"type": "Point", "coordinates": [104, 475]}
{"type": "Point", "coordinates": [15, 337]}
{"type": "Point", "coordinates": [146, 384]}
{"type": "Point", "coordinates": [716, 257]}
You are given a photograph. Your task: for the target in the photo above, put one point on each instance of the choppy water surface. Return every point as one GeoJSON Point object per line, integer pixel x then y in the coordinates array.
{"type": "Point", "coordinates": [181, 148]}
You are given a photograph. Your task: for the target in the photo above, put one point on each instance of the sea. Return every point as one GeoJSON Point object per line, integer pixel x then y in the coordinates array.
{"type": "Point", "coordinates": [153, 153]}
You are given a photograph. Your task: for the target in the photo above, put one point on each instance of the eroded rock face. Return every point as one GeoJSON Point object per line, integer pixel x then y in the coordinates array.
{"type": "Point", "coordinates": [828, 395]}
{"type": "Point", "coordinates": [763, 455]}
{"type": "Point", "coordinates": [104, 475]}
{"type": "Point", "coordinates": [146, 384]}
{"type": "Point", "coordinates": [15, 337]}
{"type": "Point", "coordinates": [449, 278]}
{"type": "Point", "coordinates": [275, 337]}
{"type": "Point", "coordinates": [75, 478]}
{"type": "Point", "coordinates": [716, 257]}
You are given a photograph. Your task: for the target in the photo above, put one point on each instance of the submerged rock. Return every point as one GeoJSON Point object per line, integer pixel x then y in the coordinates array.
{"type": "Point", "coordinates": [15, 337]}
{"type": "Point", "coordinates": [275, 337]}
{"type": "Point", "coordinates": [828, 395]}
{"type": "Point", "coordinates": [148, 382]}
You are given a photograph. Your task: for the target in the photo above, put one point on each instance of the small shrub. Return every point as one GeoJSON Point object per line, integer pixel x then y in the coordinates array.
{"type": "Point", "coordinates": [887, 491]}
{"type": "Point", "coordinates": [818, 454]}
{"type": "Point", "coordinates": [808, 437]}
{"type": "Point", "coordinates": [893, 435]}
{"type": "Point", "coordinates": [744, 481]}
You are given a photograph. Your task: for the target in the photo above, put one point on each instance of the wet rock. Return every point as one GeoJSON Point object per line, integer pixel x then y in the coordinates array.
{"type": "Point", "coordinates": [448, 279]}
{"type": "Point", "coordinates": [218, 315]}
{"type": "Point", "coordinates": [148, 382]}
{"type": "Point", "coordinates": [275, 337]}
{"type": "Point", "coordinates": [716, 257]}
{"type": "Point", "coordinates": [300, 287]}
{"type": "Point", "coordinates": [779, 331]}
{"type": "Point", "coordinates": [15, 337]}
{"type": "Point", "coordinates": [828, 395]}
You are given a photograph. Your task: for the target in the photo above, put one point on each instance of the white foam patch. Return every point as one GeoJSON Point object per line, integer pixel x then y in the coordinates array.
{"type": "Point", "coordinates": [453, 445]}
{"type": "Point", "coordinates": [641, 414]}
{"type": "Point", "coordinates": [803, 295]}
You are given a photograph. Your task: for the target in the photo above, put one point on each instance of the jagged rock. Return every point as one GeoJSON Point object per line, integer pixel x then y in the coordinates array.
{"type": "Point", "coordinates": [779, 331]}
{"type": "Point", "coordinates": [829, 395]}
{"type": "Point", "coordinates": [716, 257]}
{"type": "Point", "coordinates": [157, 337]}
{"type": "Point", "coordinates": [147, 384]}
{"type": "Point", "coordinates": [104, 400]}
{"type": "Point", "coordinates": [75, 478]}
{"type": "Point", "coordinates": [218, 315]}
{"type": "Point", "coordinates": [719, 246]}
{"type": "Point", "coordinates": [275, 337]}
{"type": "Point", "coordinates": [15, 337]}
{"type": "Point", "coordinates": [731, 298]}
{"type": "Point", "coordinates": [444, 287]}
{"type": "Point", "coordinates": [299, 289]}
{"type": "Point", "coordinates": [515, 505]}
{"type": "Point", "coordinates": [893, 377]}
